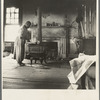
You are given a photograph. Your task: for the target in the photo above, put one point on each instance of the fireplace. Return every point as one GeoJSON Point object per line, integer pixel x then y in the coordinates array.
{"type": "Point", "coordinates": [51, 49]}
{"type": "Point", "coordinates": [56, 47]}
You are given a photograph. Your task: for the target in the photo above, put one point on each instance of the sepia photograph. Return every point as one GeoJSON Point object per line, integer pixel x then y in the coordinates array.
{"type": "Point", "coordinates": [49, 45]}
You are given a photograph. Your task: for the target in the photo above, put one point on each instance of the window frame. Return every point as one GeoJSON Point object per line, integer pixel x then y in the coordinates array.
{"type": "Point", "coordinates": [10, 16]}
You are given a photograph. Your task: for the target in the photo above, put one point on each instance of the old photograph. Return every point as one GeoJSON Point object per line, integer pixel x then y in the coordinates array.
{"type": "Point", "coordinates": [49, 44]}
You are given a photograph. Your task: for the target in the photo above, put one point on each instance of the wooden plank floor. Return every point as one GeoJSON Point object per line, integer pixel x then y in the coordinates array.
{"type": "Point", "coordinates": [47, 76]}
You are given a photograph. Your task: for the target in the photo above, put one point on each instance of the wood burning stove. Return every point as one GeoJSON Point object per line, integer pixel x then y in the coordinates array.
{"type": "Point", "coordinates": [42, 51]}
{"type": "Point", "coordinates": [35, 52]}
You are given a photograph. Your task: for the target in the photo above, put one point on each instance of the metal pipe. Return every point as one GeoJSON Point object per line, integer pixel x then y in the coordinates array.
{"type": "Point", "coordinates": [39, 25]}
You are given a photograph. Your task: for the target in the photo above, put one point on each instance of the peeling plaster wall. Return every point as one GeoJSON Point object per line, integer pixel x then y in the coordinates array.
{"type": "Point", "coordinates": [62, 18]}
{"type": "Point", "coordinates": [29, 14]}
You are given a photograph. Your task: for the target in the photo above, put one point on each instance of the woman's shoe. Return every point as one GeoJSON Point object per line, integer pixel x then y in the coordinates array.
{"type": "Point", "coordinates": [22, 64]}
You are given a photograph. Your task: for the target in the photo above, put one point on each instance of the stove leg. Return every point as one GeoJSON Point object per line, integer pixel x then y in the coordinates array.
{"type": "Point", "coordinates": [41, 61]}
{"type": "Point", "coordinates": [31, 62]}
{"type": "Point", "coordinates": [31, 59]}
{"type": "Point", "coordinates": [35, 61]}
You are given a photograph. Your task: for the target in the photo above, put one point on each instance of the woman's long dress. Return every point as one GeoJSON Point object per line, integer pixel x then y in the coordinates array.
{"type": "Point", "coordinates": [19, 46]}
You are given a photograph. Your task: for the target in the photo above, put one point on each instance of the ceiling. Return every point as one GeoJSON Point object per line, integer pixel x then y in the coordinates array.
{"type": "Point", "coordinates": [53, 4]}
{"type": "Point", "coordinates": [46, 2]}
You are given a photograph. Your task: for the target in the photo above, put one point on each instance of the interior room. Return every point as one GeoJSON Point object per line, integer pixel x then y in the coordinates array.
{"type": "Point", "coordinates": [62, 38]}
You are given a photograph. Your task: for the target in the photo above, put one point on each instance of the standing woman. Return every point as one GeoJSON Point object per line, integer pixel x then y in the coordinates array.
{"type": "Point", "coordinates": [19, 47]}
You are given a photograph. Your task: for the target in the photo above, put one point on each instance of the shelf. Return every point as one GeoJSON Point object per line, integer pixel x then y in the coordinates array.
{"type": "Point", "coordinates": [51, 26]}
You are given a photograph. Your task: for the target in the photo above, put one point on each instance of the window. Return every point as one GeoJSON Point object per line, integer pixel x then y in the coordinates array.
{"type": "Point", "coordinates": [12, 15]}
{"type": "Point", "coordinates": [11, 24]}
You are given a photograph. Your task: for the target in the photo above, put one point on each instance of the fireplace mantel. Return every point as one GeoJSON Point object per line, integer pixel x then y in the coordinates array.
{"type": "Point", "coordinates": [61, 43]}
